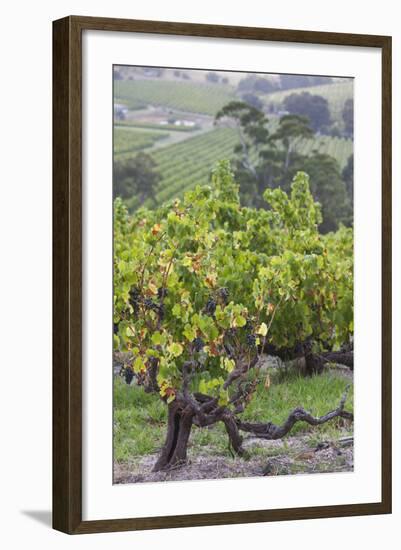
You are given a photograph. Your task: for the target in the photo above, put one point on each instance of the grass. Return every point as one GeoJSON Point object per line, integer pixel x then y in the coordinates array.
{"type": "Point", "coordinates": [318, 395]}
{"type": "Point", "coordinates": [182, 96]}
{"type": "Point", "coordinates": [140, 418]}
{"type": "Point", "coordinates": [131, 140]}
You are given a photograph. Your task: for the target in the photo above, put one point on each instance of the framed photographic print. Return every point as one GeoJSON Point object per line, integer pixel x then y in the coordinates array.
{"type": "Point", "coordinates": [222, 274]}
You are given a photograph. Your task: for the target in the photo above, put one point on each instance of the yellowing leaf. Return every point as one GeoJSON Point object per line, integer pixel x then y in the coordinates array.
{"type": "Point", "coordinates": [138, 365]}
{"type": "Point", "coordinates": [152, 289]}
{"type": "Point", "coordinates": [189, 333]}
{"type": "Point", "coordinates": [239, 321]}
{"type": "Point", "coordinates": [262, 329]}
{"type": "Point", "coordinates": [176, 311]}
{"type": "Point", "coordinates": [202, 386]}
{"type": "Point", "coordinates": [187, 261]}
{"type": "Point", "coordinates": [158, 339]}
{"type": "Point", "coordinates": [223, 399]}
{"type": "Point", "coordinates": [210, 280]}
{"type": "Point", "coordinates": [156, 229]}
{"type": "Point", "coordinates": [228, 364]}
{"type": "Point", "coordinates": [175, 349]}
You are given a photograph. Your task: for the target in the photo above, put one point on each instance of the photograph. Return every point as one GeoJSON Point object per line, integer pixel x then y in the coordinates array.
{"type": "Point", "coordinates": [233, 312]}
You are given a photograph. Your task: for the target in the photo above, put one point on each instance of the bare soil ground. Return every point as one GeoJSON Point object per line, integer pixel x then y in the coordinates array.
{"type": "Point", "coordinates": [293, 455]}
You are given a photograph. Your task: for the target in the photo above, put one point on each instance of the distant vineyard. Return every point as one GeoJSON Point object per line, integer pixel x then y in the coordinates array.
{"type": "Point", "coordinates": [186, 164]}
{"type": "Point", "coordinates": [184, 96]}
{"type": "Point", "coordinates": [336, 95]}
{"type": "Point", "coordinates": [132, 141]}
{"type": "Point", "coordinates": [339, 148]}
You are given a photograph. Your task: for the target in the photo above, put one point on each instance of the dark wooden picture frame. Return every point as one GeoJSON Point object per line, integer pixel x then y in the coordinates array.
{"type": "Point", "coordinates": [67, 274]}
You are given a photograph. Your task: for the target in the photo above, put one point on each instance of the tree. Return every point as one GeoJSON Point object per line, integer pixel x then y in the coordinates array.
{"type": "Point", "coordinates": [290, 81]}
{"type": "Point", "coordinates": [328, 188]}
{"type": "Point", "coordinates": [348, 177]}
{"type": "Point", "coordinates": [257, 84]}
{"type": "Point", "coordinates": [251, 126]}
{"type": "Point", "coordinates": [253, 100]}
{"type": "Point", "coordinates": [291, 130]}
{"type": "Point", "coordinates": [265, 160]}
{"type": "Point", "coordinates": [315, 107]}
{"type": "Point", "coordinates": [212, 77]}
{"type": "Point", "coordinates": [348, 117]}
{"type": "Point", "coordinates": [136, 179]}
{"type": "Point", "coordinates": [202, 286]}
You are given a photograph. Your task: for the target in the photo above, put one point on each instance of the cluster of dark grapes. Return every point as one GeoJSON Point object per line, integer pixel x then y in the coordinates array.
{"type": "Point", "coordinates": [198, 344]}
{"type": "Point", "coordinates": [158, 308]}
{"type": "Point", "coordinates": [224, 294]}
{"type": "Point", "coordinates": [128, 374]}
{"type": "Point", "coordinates": [150, 304]}
{"type": "Point", "coordinates": [162, 293]}
{"type": "Point", "coordinates": [250, 340]}
{"type": "Point", "coordinates": [115, 328]}
{"type": "Point", "coordinates": [210, 307]}
{"type": "Point", "coordinates": [135, 299]}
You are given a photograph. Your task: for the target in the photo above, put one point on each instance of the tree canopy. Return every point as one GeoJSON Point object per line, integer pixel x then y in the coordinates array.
{"type": "Point", "coordinates": [268, 160]}
{"type": "Point", "coordinates": [348, 117]}
{"type": "Point", "coordinates": [136, 179]}
{"type": "Point", "coordinates": [291, 81]}
{"type": "Point", "coordinates": [313, 106]}
{"type": "Point", "coordinates": [257, 84]}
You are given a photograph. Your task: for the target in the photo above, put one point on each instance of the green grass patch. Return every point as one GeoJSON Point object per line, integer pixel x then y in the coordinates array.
{"type": "Point", "coordinates": [139, 421]}
{"type": "Point", "coordinates": [182, 96]}
{"type": "Point", "coordinates": [140, 418]}
{"type": "Point", "coordinates": [318, 395]}
{"type": "Point", "coordinates": [132, 140]}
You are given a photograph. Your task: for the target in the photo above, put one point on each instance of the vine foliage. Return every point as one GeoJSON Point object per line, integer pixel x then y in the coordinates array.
{"type": "Point", "coordinates": [202, 286]}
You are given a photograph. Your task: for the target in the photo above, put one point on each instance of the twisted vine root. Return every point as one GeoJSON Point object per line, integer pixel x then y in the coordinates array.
{"type": "Point", "coordinates": [203, 411]}
{"type": "Point", "coordinates": [269, 430]}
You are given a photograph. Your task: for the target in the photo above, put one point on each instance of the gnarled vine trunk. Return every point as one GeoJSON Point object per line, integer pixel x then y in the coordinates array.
{"type": "Point", "coordinates": [201, 410]}
{"type": "Point", "coordinates": [174, 451]}
{"type": "Point", "coordinates": [314, 362]}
